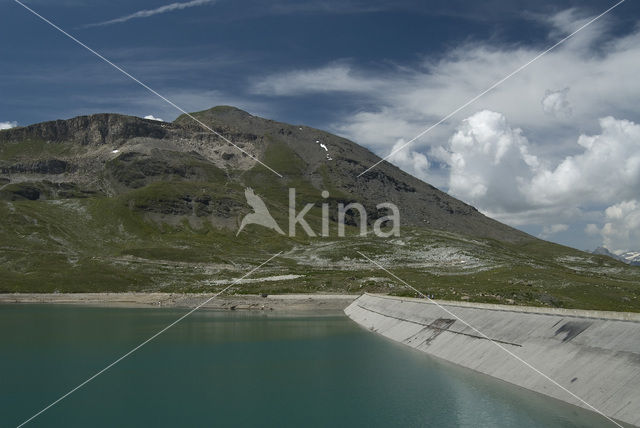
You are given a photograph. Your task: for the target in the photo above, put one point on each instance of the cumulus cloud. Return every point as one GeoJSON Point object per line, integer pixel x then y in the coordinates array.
{"type": "Point", "coordinates": [415, 163]}
{"type": "Point", "coordinates": [607, 169]}
{"type": "Point", "coordinates": [621, 231]}
{"type": "Point", "coordinates": [489, 162]}
{"type": "Point", "coordinates": [151, 117]}
{"type": "Point", "coordinates": [556, 103]}
{"type": "Point", "coordinates": [492, 165]}
{"type": "Point", "coordinates": [145, 13]}
{"type": "Point", "coordinates": [8, 125]}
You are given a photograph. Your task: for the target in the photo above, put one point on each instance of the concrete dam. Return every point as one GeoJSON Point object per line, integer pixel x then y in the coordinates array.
{"type": "Point", "coordinates": [593, 355]}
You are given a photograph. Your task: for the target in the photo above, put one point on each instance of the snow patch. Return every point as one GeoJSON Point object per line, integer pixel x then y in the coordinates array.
{"type": "Point", "coordinates": [326, 149]}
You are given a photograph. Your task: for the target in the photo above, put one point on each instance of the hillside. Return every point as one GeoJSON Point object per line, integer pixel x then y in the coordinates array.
{"type": "Point", "coordinates": [110, 203]}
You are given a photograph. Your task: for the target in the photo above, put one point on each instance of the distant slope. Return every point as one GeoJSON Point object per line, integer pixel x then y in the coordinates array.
{"type": "Point", "coordinates": [630, 257]}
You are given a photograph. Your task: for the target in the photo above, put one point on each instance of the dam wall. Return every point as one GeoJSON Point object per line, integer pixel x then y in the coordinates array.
{"type": "Point", "coordinates": [594, 355]}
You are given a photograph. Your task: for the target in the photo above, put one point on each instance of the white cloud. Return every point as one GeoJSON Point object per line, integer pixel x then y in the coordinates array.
{"type": "Point", "coordinates": [556, 103]}
{"type": "Point", "coordinates": [8, 125]}
{"type": "Point", "coordinates": [489, 161]}
{"type": "Point", "coordinates": [592, 229]}
{"type": "Point", "coordinates": [567, 21]}
{"type": "Point", "coordinates": [331, 78]}
{"type": "Point", "coordinates": [145, 13]}
{"type": "Point", "coordinates": [491, 165]}
{"type": "Point", "coordinates": [151, 117]}
{"type": "Point", "coordinates": [606, 171]}
{"type": "Point", "coordinates": [548, 231]}
{"type": "Point", "coordinates": [413, 162]}
{"type": "Point", "coordinates": [621, 231]}
{"type": "Point", "coordinates": [377, 129]}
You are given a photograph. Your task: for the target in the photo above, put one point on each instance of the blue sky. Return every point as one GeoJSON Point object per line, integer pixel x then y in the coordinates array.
{"type": "Point", "coordinates": [553, 151]}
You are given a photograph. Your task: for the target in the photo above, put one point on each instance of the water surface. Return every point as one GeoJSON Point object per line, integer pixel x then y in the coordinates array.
{"type": "Point", "coordinates": [242, 369]}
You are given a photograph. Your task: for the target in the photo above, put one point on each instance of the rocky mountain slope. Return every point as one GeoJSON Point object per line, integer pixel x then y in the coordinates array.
{"type": "Point", "coordinates": [113, 202]}
{"type": "Point", "coordinates": [630, 257]}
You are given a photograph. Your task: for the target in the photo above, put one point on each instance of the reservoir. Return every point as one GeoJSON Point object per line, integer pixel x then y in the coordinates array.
{"type": "Point", "coordinates": [245, 369]}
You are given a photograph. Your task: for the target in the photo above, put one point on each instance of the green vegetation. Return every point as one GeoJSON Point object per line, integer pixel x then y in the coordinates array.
{"type": "Point", "coordinates": [109, 244]}
{"type": "Point", "coordinates": [26, 150]}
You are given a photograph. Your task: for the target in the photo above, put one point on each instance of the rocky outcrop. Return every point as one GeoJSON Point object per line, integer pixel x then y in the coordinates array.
{"type": "Point", "coordinates": [96, 129]}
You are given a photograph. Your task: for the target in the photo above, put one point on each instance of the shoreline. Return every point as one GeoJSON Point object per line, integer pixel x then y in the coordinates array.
{"type": "Point", "coordinates": [318, 304]}
{"type": "Point", "coordinates": [291, 303]}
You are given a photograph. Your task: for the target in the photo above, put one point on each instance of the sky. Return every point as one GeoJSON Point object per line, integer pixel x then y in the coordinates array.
{"type": "Point", "coordinates": [554, 150]}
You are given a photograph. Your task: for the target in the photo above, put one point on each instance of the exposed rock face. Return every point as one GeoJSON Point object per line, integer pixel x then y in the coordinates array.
{"type": "Point", "coordinates": [115, 155]}
{"type": "Point", "coordinates": [97, 129]}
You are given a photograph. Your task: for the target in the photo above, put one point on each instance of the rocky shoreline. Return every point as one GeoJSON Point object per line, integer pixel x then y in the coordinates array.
{"type": "Point", "coordinates": [316, 304]}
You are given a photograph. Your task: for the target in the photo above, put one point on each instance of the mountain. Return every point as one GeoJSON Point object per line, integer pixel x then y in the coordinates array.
{"type": "Point", "coordinates": [109, 202]}
{"type": "Point", "coordinates": [110, 155]}
{"type": "Point", "coordinates": [604, 252]}
{"type": "Point", "coordinates": [630, 257]}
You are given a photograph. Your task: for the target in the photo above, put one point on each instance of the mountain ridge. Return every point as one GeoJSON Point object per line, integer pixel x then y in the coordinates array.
{"type": "Point", "coordinates": [102, 134]}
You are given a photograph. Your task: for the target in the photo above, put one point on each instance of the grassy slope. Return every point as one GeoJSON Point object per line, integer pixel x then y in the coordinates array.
{"type": "Point", "coordinates": [102, 245]}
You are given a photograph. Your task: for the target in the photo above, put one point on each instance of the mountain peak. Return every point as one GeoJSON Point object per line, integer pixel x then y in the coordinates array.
{"type": "Point", "coordinates": [215, 115]}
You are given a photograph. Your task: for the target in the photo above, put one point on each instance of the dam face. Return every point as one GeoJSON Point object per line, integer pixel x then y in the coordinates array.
{"type": "Point", "coordinates": [594, 355]}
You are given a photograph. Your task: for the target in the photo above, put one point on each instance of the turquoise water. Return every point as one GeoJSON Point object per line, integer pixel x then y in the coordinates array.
{"type": "Point", "coordinates": [242, 369]}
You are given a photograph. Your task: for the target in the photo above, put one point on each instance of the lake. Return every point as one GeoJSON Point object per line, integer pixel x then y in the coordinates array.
{"type": "Point", "coordinates": [242, 369]}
